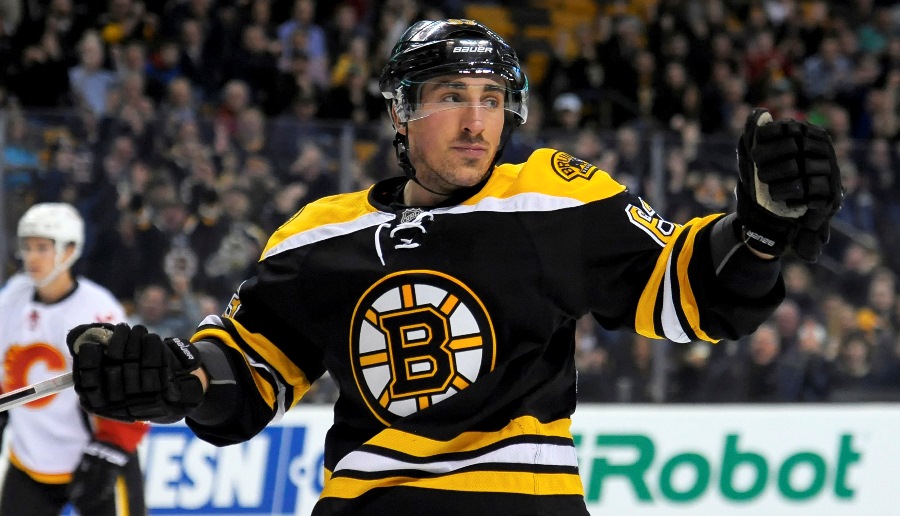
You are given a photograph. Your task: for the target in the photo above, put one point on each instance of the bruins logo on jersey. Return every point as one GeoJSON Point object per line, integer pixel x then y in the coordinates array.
{"type": "Point", "coordinates": [418, 337]}
{"type": "Point", "coordinates": [569, 167]}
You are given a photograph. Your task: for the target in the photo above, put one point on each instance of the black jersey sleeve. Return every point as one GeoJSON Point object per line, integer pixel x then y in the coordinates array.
{"type": "Point", "coordinates": [658, 278]}
{"type": "Point", "coordinates": [262, 332]}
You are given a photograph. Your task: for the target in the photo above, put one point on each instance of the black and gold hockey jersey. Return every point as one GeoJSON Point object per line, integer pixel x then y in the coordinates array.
{"type": "Point", "coordinates": [450, 331]}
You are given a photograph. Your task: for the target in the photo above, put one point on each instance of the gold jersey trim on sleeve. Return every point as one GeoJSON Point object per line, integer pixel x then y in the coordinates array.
{"type": "Point", "coordinates": [663, 279]}
{"type": "Point", "coordinates": [293, 375]}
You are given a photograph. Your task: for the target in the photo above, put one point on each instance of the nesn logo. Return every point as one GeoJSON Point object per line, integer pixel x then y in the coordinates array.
{"type": "Point", "coordinates": [471, 49]}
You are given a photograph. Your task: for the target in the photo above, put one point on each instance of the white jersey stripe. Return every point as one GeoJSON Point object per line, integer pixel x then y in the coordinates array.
{"type": "Point", "coordinates": [522, 453]}
{"type": "Point", "coordinates": [327, 231]}
{"type": "Point", "coordinates": [671, 326]}
{"type": "Point", "coordinates": [526, 202]}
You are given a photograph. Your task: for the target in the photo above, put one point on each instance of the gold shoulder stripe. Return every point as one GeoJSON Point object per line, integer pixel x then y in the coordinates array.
{"type": "Point", "coordinates": [335, 209]}
{"type": "Point", "coordinates": [531, 483]}
{"type": "Point", "coordinates": [419, 446]}
{"type": "Point", "coordinates": [538, 175]}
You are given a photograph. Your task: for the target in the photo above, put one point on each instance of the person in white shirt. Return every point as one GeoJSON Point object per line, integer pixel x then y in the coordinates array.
{"type": "Point", "coordinates": [59, 454]}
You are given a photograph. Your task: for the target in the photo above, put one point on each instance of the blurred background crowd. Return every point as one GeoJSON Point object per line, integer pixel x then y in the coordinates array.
{"type": "Point", "coordinates": [186, 131]}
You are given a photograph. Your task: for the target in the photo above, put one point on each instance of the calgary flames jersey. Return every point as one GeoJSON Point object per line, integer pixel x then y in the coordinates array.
{"type": "Point", "coordinates": [450, 331]}
{"type": "Point", "coordinates": [49, 434]}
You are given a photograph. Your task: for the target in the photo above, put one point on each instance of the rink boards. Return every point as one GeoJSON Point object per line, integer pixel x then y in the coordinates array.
{"type": "Point", "coordinates": [639, 460]}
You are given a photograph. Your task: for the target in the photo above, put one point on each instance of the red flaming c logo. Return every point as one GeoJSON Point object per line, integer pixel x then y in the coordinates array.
{"type": "Point", "coordinates": [19, 362]}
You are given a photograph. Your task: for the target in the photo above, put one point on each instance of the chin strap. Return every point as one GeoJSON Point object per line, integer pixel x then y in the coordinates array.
{"type": "Point", "coordinates": [402, 148]}
{"type": "Point", "coordinates": [58, 268]}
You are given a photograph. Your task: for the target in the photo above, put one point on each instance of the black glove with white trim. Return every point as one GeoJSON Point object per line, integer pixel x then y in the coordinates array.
{"type": "Point", "coordinates": [789, 188]}
{"type": "Point", "coordinates": [129, 374]}
{"type": "Point", "coordinates": [94, 481]}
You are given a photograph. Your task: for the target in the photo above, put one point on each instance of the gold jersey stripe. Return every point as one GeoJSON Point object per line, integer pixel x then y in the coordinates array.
{"type": "Point", "coordinates": [262, 385]}
{"type": "Point", "coordinates": [470, 481]}
{"type": "Point", "coordinates": [419, 446]}
{"type": "Point", "coordinates": [273, 356]}
{"type": "Point", "coordinates": [536, 175]}
{"type": "Point", "coordinates": [643, 319]}
{"type": "Point", "coordinates": [688, 302]}
{"type": "Point", "coordinates": [121, 494]}
{"type": "Point", "coordinates": [44, 478]}
{"type": "Point", "coordinates": [336, 209]}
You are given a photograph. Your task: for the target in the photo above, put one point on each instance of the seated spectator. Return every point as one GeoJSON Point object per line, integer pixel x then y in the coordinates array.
{"type": "Point", "coordinates": [827, 73]}
{"type": "Point", "coordinates": [804, 373]}
{"type": "Point", "coordinates": [198, 60]}
{"type": "Point", "coordinates": [42, 80]}
{"type": "Point", "coordinates": [750, 377]}
{"type": "Point", "coordinates": [154, 310]}
{"type": "Point", "coordinates": [311, 170]}
{"type": "Point", "coordinates": [20, 156]}
{"type": "Point", "coordinates": [90, 82]}
{"type": "Point", "coordinates": [125, 20]}
{"type": "Point", "coordinates": [853, 364]}
{"type": "Point", "coordinates": [236, 97]}
{"type": "Point", "coordinates": [255, 64]}
{"type": "Point", "coordinates": [130, 258]}
{"type": "Point", "coordinates": [312, 41]}
{"type": "Point", "coordinates": [355, 60]}
{"type": "Point", "coordinates": [567, 113]}
{"type": "Point", "coordinates": [352, 100]}
{"type": "Point", "coordinates": [163, 66]}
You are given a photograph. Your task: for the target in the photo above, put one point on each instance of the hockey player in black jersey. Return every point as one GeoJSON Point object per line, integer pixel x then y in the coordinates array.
{"type": "Point", "coordinates": [444, 302]}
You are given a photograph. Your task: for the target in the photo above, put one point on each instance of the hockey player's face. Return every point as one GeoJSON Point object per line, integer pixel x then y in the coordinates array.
{"type": "Point", "coordinates": [38, 256]}
{"type": "Point", "coordinates": [453, 142]}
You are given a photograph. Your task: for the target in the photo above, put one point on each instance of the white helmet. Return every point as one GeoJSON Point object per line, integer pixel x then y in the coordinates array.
{"type": "Point", "coordinates": [59, 222]}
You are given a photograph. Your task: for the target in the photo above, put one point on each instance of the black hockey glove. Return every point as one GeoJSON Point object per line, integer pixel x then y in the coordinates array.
{"type": "Point", "coordinates": [789, 187]}
{"type": "Point", "coordinates": [94, 480]}
{"type": "Point", "coordinates": [134, 375]}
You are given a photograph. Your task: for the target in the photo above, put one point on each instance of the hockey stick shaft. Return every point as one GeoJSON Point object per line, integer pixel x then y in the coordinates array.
{"type": "Point", "coordinates": [36, 391]}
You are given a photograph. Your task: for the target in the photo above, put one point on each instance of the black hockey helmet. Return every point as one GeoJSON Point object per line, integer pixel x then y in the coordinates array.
{"type": "Point", "coordinates": [429, 49]}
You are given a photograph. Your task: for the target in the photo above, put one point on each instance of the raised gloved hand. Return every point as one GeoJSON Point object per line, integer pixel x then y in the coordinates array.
{"type": "Point", "coordinates": [132, 375]}
{"type": "Point", "coordinates": [789, 187]}
{"type": "Point", "coordinates": [94, 481]}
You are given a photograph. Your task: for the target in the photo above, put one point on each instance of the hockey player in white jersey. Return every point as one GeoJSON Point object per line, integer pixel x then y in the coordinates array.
{"type": "Point", "coordinates": [58, 453]}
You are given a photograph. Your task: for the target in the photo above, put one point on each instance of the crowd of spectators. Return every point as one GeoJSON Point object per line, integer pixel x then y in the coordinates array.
{"type": "Point", "coordinates": [186, 131]}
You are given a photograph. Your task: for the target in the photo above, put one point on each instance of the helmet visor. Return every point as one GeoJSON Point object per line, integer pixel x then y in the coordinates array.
{"type": "Point", "coordinates": [490, 92]}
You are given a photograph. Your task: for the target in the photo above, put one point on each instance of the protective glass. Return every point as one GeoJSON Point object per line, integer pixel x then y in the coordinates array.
{"type": "Point", "coordinates": [492, 94]}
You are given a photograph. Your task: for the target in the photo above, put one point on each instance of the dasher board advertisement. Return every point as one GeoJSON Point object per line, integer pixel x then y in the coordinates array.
{"type": "Point", "coordinates": [823, 460]}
